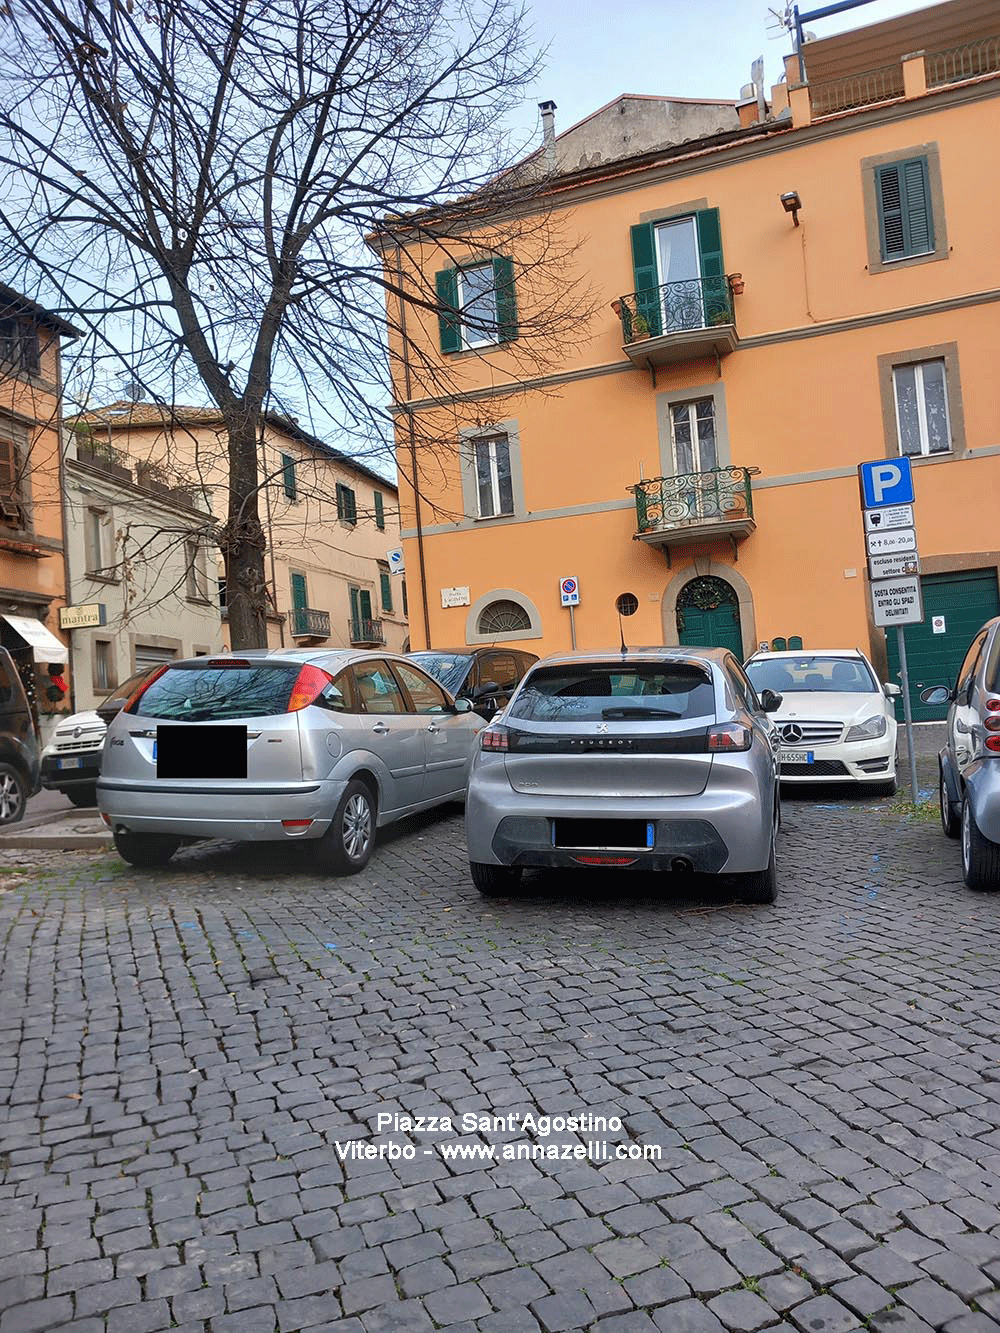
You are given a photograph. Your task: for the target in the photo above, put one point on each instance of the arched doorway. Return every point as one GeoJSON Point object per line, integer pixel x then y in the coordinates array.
{"type": "Point", "coordinates": [708, 615]}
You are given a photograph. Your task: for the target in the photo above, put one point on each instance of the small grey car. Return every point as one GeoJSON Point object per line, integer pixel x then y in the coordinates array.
{"type": "Point", "coordinates": [322, 746]}
{"type": "Point", "coordinates": [969, 763]}
{"type": "Point", "coordinates": [650, 759]}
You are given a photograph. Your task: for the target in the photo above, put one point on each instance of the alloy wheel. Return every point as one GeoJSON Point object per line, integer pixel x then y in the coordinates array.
{"type": "Point", "coordinates": [357, 825]}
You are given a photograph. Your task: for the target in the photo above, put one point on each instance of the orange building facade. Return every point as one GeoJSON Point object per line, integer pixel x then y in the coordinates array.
{"type": "Point", "coordinates": [813, 287]}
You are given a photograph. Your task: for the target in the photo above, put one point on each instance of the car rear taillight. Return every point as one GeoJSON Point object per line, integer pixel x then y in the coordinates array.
{"type": "Point", "coordinates": [729, 736]}
{"type": "Point", "coordinates": [494, 739]}
{"type": "Point", "coordinates": [993, 705]}
{"type": "Point", "coordinates": [309, 685]}
{"type": "Point", "coordinates": [993, 743]}
{"type": "Point", "coordinates": [136, 695]}
{"type": "Point", "coordinates": [992, 722]}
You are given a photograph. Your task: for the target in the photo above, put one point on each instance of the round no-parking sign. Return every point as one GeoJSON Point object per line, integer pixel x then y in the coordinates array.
{"type": "Point", "coordinates": [569, 592]}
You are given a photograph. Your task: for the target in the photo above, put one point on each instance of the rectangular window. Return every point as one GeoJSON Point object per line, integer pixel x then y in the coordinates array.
{"type": "Point", "coordinates": [904, 208]}
{"type": "Point", "coordinates": [385, 587]}
{"type": "Point", "coordinates": [494, 484]}
{"type": "Point", "coordinates": [11, 509]}
{"type": "Point", "coordinates": [347, 508]}
{"type": "Point", "coordinates": [197, 580]}
{"type": "Point", "coordinates": [696, 458]}
{"type": "Point", "coordinates": [95, 527]}
{"type": "Point", "coordinates": [379, 511]}
{"type": "Point", "coordinates": [19, 346]}
{"type": "Point", "coordinates": [288, 475]}
{"type": "Point", "coordinates": [103, 675]}
{"type": "Point", "coordinates": [922, 419]}
{"type": "Point", "coordinates": [477, 304]}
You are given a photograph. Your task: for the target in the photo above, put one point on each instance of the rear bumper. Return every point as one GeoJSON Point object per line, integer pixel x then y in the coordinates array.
{"type": "Point", "coordinates": [725, 829]}
{"type": "Point", "coordinates": [212, 811]}
{"type": "Point", "coordinates": [982, 790]}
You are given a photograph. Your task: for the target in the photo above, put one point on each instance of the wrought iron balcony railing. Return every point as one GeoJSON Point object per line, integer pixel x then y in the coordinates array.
{"type": "Point", "coordinates": [366, 632]}
{"type": "Point", "coordinates": [675, 510]}
{"type": "Point", "coordinates": [698, 303]}
{"type": "Point", "coordinates": [308, 623]}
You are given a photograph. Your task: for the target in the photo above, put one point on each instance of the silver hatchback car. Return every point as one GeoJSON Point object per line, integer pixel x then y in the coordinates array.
{"type": "Point", "coordinates": [281, 744]}
{"type": "Point", "coordinates": [654, 759]}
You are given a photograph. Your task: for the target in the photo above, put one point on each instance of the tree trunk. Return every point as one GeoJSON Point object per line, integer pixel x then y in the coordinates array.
{"type": "Point", "coordinates": [242, 542]}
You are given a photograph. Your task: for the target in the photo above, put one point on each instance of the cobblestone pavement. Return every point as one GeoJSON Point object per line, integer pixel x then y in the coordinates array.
{"type": "Point", "coordinates": [193, 1063]}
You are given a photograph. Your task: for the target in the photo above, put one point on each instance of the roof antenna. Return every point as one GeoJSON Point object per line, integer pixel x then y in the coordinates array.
{"type": "Point", "coordinates": [621, 631]}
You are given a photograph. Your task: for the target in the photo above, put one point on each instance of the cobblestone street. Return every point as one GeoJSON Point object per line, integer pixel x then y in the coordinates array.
{"type": "Point", "coordinates": [193, 1063]}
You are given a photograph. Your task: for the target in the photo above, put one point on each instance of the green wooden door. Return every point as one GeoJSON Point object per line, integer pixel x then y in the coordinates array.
{"type": "Point", "coordinates": [965, 601]}
{"type": "Point", "coordinates": [708, 615]}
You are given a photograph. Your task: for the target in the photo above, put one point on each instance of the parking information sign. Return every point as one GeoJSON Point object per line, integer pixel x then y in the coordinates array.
{"type": "Point", "coordinates": [897, 601]}
{"type": "Point", "coordinates": [569, 592]}
{"type": "Point", "coordinates": [886, 486]}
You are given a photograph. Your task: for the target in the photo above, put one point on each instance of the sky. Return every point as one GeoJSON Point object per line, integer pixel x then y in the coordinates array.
{"type": "Point", "coordinates": [678, 48]}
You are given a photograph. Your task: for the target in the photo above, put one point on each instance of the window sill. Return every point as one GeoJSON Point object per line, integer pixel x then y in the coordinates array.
{"type": "Point", "coordinates": [492, 518]}
{"type": "Point", "coordinates": [96, 577]}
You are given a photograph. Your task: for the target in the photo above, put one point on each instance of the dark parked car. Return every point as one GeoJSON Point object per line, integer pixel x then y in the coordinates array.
{"type": "Point", "coordinates": [487, 677]}
{"type": "Point", "coordinates": [969, 763]}
{"type": "Point", "coordinates": [19, 750]}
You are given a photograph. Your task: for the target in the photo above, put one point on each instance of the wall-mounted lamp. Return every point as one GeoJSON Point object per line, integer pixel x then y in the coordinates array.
{"type": "Point", "coordinates": [791, 203]}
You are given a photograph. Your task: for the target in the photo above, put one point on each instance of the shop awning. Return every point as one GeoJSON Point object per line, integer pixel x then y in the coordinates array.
{"type": "Point", "coordinates": [44, 645]}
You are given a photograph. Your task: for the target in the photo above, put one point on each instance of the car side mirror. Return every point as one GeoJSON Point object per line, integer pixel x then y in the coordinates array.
{"type": "Point", "coordinates": [770, 701]}
{"type": "Point", "coordinates": [110, 709]}
{"type": "Point", "coordinates": [462, 705]}
{"type": "Point", "coordinates": [936, 694]}
{"type": "Point", "coordinates": [487, 690]}
{"type": "Point", "coordinates": [892, 690]}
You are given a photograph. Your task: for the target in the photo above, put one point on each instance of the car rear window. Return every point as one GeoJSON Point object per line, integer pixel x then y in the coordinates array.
{"type": "Point", "coordinates": [831, 675]}
{"type": "Point", "coordinates": [203, 693]}
{"type": "Point", "coordinates": [615, 693]}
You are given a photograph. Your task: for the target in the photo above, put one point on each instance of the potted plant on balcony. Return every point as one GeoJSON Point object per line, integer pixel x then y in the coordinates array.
{"type": "Point", "coordinates": [640, 328]}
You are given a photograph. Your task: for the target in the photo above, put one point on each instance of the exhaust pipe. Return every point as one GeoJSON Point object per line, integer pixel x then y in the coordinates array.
{"type": "Point", "coordinates": [681, 865]}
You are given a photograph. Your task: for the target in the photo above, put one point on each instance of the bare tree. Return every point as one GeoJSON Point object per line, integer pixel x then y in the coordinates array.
{"type": "Point", "coordinates": [193, 181]}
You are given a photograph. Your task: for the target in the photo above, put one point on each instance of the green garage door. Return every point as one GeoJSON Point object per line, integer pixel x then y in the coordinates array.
{"type": "Point", "coordinates": [965, 601]}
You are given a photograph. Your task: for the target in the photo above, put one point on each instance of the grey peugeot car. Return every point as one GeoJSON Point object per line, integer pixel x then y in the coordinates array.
{"type": "Point", "coordinates": [969, 762]}
{"type": "Point", "coordinates": [323, 746]}
{"type": "Point", "coordinates": [653, 759]}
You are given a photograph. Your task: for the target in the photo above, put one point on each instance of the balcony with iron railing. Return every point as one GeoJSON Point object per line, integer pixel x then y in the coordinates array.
{"type": "Point", "coordinates": [307, 623]}
{"type": "Point", "coordinates": [679, 321]}
{"type": "Point", "coordinates": [695, 507]}
{"type": "Point", "coordinates": [366, 633]}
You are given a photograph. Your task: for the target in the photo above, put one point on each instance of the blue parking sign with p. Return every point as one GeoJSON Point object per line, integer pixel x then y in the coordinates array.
{"type": "Point", "coordinates": [886, 481]}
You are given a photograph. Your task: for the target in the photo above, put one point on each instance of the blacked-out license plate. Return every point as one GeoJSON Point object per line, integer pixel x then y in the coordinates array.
{"type": "Point", "coordinates": [185, 751]}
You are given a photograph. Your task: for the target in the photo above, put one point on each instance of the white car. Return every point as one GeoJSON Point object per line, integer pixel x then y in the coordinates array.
{"type": "Point", "coordinates": [71, 761]}
{"type": "Point", "coordinates": [836, 722]}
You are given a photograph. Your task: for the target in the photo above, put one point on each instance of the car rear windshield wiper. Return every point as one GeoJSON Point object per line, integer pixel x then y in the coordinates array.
{"type": "Point", "coordinates": [627, 714]}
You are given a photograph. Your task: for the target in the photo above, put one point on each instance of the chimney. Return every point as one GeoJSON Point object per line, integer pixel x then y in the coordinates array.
{"type": "Point", "coordinates": [548, 110]}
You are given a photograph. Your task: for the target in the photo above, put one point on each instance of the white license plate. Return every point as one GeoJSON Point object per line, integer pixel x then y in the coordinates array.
{"type": "Point", "coordinates": [70, 763]}
{"type": "Point", "coordinates": [797, 757]}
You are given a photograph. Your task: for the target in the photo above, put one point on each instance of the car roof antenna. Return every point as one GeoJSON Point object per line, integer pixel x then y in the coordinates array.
{"type": "Point", "coordinates": [621, 631]}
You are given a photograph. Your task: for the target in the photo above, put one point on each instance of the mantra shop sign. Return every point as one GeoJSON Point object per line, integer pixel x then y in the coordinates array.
{"type": "Point", "coordinates": [82, 617]}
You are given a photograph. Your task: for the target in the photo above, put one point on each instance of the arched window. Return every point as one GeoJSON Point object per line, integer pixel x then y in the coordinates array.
{"type": "Point", "coordinates": [503, 617]}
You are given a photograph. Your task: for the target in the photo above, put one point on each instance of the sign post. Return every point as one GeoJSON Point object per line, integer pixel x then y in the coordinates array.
{"type": "Point", "coordinates": [893, 564]}
{"type": "Point", "coordinates": [569, 596]}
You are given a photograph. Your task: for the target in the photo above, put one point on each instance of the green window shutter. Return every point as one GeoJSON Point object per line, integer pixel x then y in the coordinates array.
{"type": "Point", "coordinates": [346, 505]}
{"type": "Point", "coordinates": [795, 643]}
{"type": "Point", "coordinates": [906, 226]}
{"type": "Point", "coordinates": [449, 328]}
{"type": "Point", "coordinates": [714, 287]}
{"type": "Point", "coordinates": [365, 602]}
{"type": "Point", "coordinates": [288, 474]}
{"type": "Point", "coordinates": [300, 598]}
{"type": "Point", "coordinates": [386, 588]}
{"type": "Point", "coordinates": [355, 594]}
{"type": "Point", "coordinates": [646, 275]}
{"type": "Point", "coordinates": [379, 511]}
{"type": "Point", "coordinates": [503, 281]}
{"type": "Point", "coordinates": [406, 608]}
{"type": "Point", "coordinates": [778, 645]}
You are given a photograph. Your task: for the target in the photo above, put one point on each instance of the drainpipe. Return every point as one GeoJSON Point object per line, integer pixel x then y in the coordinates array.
{"type": "Point", "coordinates": [411, 431]}
{"type": "Point", "coordinates": [270, 534]}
